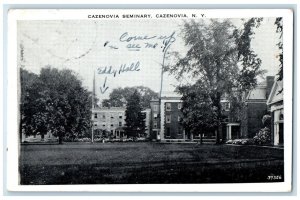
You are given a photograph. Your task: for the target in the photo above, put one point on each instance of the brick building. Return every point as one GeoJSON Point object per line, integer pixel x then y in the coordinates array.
{"type": "Point", "coordinates": [166, 125]}
{"type": "Point", "coordinates": [256, 102]}
{"type": "Point", "coordinates": [170, 112]}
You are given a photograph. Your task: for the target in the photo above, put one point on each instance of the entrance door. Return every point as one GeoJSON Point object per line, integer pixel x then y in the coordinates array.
{"type": "Point", "coordinates": [280, 133]}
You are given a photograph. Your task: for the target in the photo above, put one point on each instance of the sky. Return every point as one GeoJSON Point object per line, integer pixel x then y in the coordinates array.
{"type": "Point", "coordinates": [136, 46]}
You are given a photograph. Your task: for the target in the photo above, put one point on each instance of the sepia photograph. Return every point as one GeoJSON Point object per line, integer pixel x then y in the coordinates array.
{"type": "Point", "coordinates": [151, 97]}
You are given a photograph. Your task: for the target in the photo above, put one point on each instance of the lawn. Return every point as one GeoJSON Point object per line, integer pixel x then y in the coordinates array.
{"type": "Point", "coordinates": [109, 163]}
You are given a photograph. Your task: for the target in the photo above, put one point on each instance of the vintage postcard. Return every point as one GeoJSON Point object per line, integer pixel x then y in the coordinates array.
{"type": "Point", "coordinates": [166, 99]}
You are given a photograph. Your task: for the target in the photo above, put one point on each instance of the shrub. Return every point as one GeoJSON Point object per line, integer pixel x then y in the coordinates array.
{"type": "Point", "coordinates": [248, 141]}
{"type": "Point", "coordinates": [266, 120]}
{"type": "Point", "coordinates": [84, 139]}
{"type": "Point", "coordinates": [263, 136]}
{"type": "Point", "coordinates": [229, 142]}
{"type": "Point", "coordinates": [98, 140]}
{"type": "Point", "coordinates": [237, 141]}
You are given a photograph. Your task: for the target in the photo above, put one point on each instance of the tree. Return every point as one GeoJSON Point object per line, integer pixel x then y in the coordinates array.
{"type": "Point", "coordinates": [120, 96]}
{"type": "Point", "coordinates": [106, 103]}
{"type": "Point", "coordinates": [57, 102]}
{"type": "Point", "coordinates": [279, 25]}
{"type": "Point", "coordinates": [220, 58]}
{"type": "Point", "coordinates": [199, 114]}
{"type": "Point", "coordinates": [27, 81]}
{"type": "Point", "coordinates": [135, 119]}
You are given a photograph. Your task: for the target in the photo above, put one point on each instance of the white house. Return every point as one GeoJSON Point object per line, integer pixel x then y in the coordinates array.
{"type": "Point", "coordinates": [275, 103]}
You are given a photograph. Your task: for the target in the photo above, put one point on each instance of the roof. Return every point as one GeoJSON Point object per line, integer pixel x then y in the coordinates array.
{"type": "Point", "coordinates": [276, 94]}
{"type": "Point", "coordinates": [111, 109]}
{"type": "Point", "coordinates": [120, 128]}
{"type": "Point", "coordinates": [259, 92]}
{"type": "Point", "coordinates": [171, 98]}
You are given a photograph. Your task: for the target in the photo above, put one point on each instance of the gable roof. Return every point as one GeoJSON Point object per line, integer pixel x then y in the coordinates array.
{"type": "Point", "coordinates": [258, 93]}
{"type": "Point", "coordinates": [276, 94]}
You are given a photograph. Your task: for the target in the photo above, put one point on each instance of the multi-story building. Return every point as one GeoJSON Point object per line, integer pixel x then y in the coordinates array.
{"type": "Point", "coordinates": [256, 102]}
{"type": "Point", "coordinates": [112, 120]}
{"type": "Point", "coordinates": [166, 125]}
{"type": "Point", "coordinates": [147, 121]}
{"type": "Point", "coordinates": [154, 119]}
{"type": "Point", "coordinates": [170, 116]}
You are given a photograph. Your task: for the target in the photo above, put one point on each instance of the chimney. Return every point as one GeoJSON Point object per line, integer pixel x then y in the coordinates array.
{"type": "Point", "coordinates": [270, 82]}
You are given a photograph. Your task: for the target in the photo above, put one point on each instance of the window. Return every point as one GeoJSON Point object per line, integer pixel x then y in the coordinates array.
{"type": "Point", "coordinates": [179, 106]}
{"type": "Point", "coordinates": [111, 116]}
{"type": "Point", "coordinates": [120, 123]}
{"type": "Point", "coordinates": [103, 116]}
{"type": "Point", "coordinates": [168, 106]}
{"type": "Point", "coordinates": [155, 115]}
{"type": "Point", "coordinates": [168, 118]}
{"type": "Point", "coordinates": [168, 133]}
{"type": "Point", "coordinates": [96, 116]}
{"type": "Point", "coordinates": [120, 116]}
{"type": "Point", "coordinates": [280, 116]}
{"type": "Point", "coordinates": [95, 124]}
{"type": "Point", "coordinates": [111, 125]}
{"type": "Point", "coordinates": [103, 125]}
{"type": "Point", "coordinates": [154, 124]}
{"type": "Point", "coordinates": [155, 108]}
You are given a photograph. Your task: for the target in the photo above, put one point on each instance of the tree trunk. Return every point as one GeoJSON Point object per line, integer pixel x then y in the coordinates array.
{"type": "Point", "coordinates": [60, 140]}
{"type": "Point", "coordinates": [200, 138]}
{"type": "Point", "coordinates": [216, 99]}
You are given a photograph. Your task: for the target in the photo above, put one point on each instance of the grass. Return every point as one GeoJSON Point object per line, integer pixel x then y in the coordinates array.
{"type": "Point", "coordinates": [82, 163]}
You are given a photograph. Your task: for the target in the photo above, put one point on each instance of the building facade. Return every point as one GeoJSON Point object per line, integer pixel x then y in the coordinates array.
{"type": "Point", "coordinates": [147, 121]}
{"type": "Point", "coordinates": [275, 103]}
{"type": "Point", "coordinates": [170, 112]}
{"type": "Point", "coordinates": [256, 102]}
{"type": "Point", "coordinates": [155, 119]}
{"type": "Point", "coordinates": [112, 121]}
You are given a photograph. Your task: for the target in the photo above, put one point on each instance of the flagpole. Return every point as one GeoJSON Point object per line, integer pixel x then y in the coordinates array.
{"type": "Point", "coordinates": [93, 106]}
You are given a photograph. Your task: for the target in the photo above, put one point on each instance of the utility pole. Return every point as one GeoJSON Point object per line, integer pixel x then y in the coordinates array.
{"type": "Point", "coordinates": [93, 106]}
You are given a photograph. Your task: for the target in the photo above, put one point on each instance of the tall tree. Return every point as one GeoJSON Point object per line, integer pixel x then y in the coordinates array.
{"type": "Point", "coordinates": [135, 119]}
{"type": "Point", "coordinates": [279, 28]}
{"type": "Point", "coordinates": [57, 102]}
{"type": "Point", "coordinates": [28, 83]}
{"type": "Point", "coordinates": [120, 96]}
{"type": "Point", "coordinates": [199, 114]}
{"type": "Point", "coordinates": [220, 58]}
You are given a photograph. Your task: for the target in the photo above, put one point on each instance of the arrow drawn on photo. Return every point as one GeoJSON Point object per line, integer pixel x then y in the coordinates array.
{"type": "Point", "coordinates": [104, 87]}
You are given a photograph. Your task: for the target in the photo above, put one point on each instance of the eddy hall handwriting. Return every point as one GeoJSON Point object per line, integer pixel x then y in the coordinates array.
{"type": "Point", "coordinates": [110, 70]}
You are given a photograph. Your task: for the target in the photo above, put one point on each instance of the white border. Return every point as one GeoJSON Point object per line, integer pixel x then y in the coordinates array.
{"type": "Point", "coordinates": [55, 14]}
